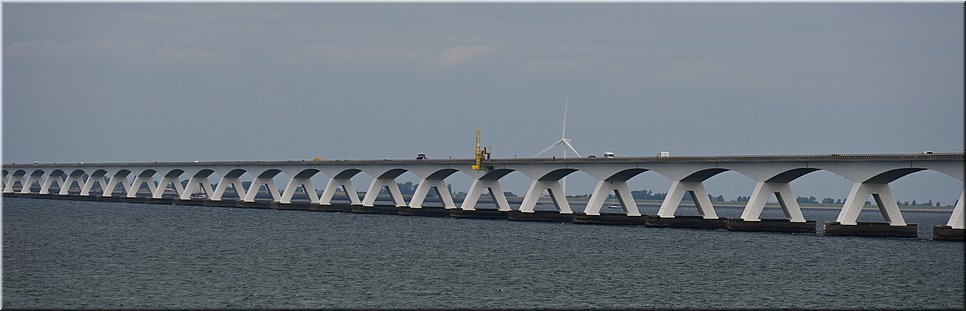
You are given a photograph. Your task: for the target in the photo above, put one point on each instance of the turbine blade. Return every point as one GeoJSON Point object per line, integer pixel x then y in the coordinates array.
{"type": "Point", "coordinates": [567, 142]}
{"type": "Point", "coordinates": [548, 148]}
{"type": "Point", "coordinates": [563, 132]}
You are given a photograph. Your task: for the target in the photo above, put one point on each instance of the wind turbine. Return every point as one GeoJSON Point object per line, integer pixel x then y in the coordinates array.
{"type": "Point", "coordinates": [563, 139]}
{"type": "Point", "coordinates": [566, 142]}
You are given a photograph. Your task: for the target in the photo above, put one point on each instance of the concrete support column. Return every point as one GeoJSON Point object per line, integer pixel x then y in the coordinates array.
{"type": "Point", "coordinates": [71, 179]}
{"type": "Point", "coordinates": [347, 187]}
{"type": "Point", "coordinates": [881, 193]}
{"type": "Point", "coordinates": [603, 189]}
{"type": "Point", "coordinates": [197, 183]}
{"type": "Point", "coordinates": [377, 185]}
{"type": "Point", "coordinates": [476, 189]}
{"type": "Point", "coordinates": [294, 184]}
{"type": "Point", "coordinates": [13, 180]}
{"type": "Point", "coordinates": [257, 185]}
{"type": "Point", "coordinates": [423, 189]}
{"type": "Point", "coordinates": [136, 185]}
{"type": "Point", "coordinates": [956, 219]}
{"type": "Point", "coordinates": [49, 181]}
{"type": "Point", "coordinates": [117, 180]}
{"type": "Point", "coordinates": [29, 182]}
{"type": "Point", "coordinates": [178, 188]}
{"type": "Point", "coordinates": [676, 193]}
{"type": "Point", "coordinates": [536, 191]}
{"type": "Point", "coordinates": [100, 180]}
{"type": "Point", "coordinates": [223, 184]}
{"type": "Point", "coordinates": [763, 191]}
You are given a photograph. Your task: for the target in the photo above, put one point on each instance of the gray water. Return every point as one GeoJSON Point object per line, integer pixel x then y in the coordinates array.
{"type": "Point", "coordinates": [75, 254]}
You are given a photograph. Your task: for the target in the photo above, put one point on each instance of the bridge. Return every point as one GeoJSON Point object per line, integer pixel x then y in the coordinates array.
{"type": "Point", "coordinates": [870, 174]}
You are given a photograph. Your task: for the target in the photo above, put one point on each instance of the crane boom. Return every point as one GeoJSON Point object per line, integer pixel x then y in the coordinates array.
{"type": "Point", "coordinates": [480, 154]}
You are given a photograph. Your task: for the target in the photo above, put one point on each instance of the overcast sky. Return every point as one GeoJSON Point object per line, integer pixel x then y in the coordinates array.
{"type": "Point", "coordinates": [182, 82]}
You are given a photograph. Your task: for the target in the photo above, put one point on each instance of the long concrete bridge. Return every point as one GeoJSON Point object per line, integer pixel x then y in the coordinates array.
{"type": "Point", "coordinates": [870, 174]}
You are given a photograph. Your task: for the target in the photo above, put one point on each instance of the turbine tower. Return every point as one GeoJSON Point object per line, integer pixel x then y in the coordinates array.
{"type": "Point", "coordinates": [566, 142]}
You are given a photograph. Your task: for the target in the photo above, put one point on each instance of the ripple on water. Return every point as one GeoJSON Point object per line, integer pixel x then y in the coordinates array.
{"type": "Point", "coordinates": [76, 254]}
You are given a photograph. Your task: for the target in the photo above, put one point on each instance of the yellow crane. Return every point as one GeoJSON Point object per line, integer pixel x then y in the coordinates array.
{"type": "Point", "coordinates": [481, 153]}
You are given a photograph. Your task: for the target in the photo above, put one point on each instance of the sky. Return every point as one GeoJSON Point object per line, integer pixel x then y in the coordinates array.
{"type": "Point", "coordinates": [187, 81]}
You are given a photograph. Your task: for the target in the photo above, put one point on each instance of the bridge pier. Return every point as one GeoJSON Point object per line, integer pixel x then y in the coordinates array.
{"type": "Point", "coordinates": [29, 182]}
{"type": "Point", "coordinates": [609, 219]}
{"type": "Point", "coordinates": [423, 189]}
{"type": "Point", "coordinates": [14, 178]}
{"type": "Point", "coordinates": [881, 193]}
{"type": "Point", "coordinates": [293, 185]}
{"type": "Point", "coordinates": [163, 185]}
{"type": "Point", "coordinates": [676, 194]}
{"type": "Point", "coordinates": [49, 181]}
{"type": "Point", "coordinates": [750, 220]}
{"type": "Point", "coordinates": [846, 225]}
{"type": "Point", "coordinates": [257, 185]}
{"type": "Point", "coordinates": [135, 186]}
{"type": "Point", "coordinates": [223, 184]}
{"type": "Point", "coordinates": [536, 191]}
{"type": "Point", "coordinates": [197, 183]}
{"type": "Point", "coordinates": [603, 189]}
{"type": "Point", "coordinates": [954, 229]}
{"type": "Point", "coordinates": [479, 214]}
{"type": "Point", "coordinates": [346, 185]}
{"type": "Point", "coordinates": [544, 216]}
{"type": "Point", "coordinates": [384, 183]}
{"type": "Point", "coordinates": [476, 190]}
{"type": "Point", "coordinates": [118, 178]}
{"type": "Point", "coordinates": [693, 222]}
{"type": "Point", "coordinates": [99, 179]}
{"type": "Point", "coordinates": [72, 179]}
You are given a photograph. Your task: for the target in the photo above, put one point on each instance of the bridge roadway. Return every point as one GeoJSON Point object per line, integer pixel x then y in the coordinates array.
{"type": "Point", "coordinates": [869, 173]}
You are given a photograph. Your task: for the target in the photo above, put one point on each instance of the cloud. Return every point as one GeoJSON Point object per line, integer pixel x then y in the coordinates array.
{"type": "Point", "coordinates": [316, 55]}
{"type": "Point", "coordinates": [463, 54]}
{"type": "Point", "coordinates": [560, 67]}
{"type": "Point", "coordinates": [48, 48]}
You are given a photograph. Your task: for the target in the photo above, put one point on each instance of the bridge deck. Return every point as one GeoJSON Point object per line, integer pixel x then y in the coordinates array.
{"type": "Point", "coordinates": [650, 159]}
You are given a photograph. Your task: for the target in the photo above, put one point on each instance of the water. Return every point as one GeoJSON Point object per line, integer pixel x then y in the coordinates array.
{"type": "Point", "coordinates": [75, 254]}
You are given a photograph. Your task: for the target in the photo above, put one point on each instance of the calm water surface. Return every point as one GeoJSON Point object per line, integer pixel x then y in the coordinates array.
{"type": "Point", "coordinates": [74, 254]}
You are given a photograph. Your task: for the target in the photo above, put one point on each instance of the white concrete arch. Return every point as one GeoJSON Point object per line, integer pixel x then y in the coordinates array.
{"type": "Point", "coordinates": [778, 185]}
{"type": "Point", "coordinates": [229, 177]}
{"type": "Point", "coordinates": [18, 176]}
{"type": "Point", "coordinates": [119, 178]}
{"type": "Point", "coordinates": [383, 178]}
{"type": "Point", "coordinates": [198, 181]}
{"type": "Point", "coordinates": [145, 176]}
{"type": "Point", "coordinates": [878, 187]}
{"type": "Point", "coordinates": [266, 177]}
{"type": "Point", "coordinates": [433, 179]}
{"type": "Point", "coordinates": [491, 182]}
{"type": "Point", "coordinates": [616, 183]}
{"type": "Point", "coordinates": [692, 183]}
{"type": "Point", "coordinates": [172, 176]}
{"type": "Point", "coordinates": [95, 177]}
{"type": "Point", "coordinates": [300, 177]}
{"type": "Point", "coordinates": [35, 176]}
{"type": "Point", "coordinates": [56, 176]}
{"type": "Point", "coordinates": [340, 178]}
{"type": "Point", "coordinates": [549, 181]}
{"type": "Point", "coordinates": [76, 176]}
